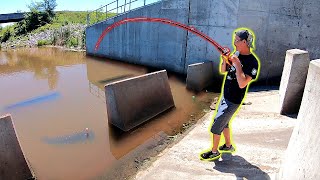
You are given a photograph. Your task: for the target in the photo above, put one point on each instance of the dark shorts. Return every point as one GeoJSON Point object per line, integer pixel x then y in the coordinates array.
{"type": "Point", "coordinates": [225, 111]}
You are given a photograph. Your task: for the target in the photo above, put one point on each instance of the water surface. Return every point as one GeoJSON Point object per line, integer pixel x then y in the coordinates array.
{"type": "Point", "coordinates": [57, 102]}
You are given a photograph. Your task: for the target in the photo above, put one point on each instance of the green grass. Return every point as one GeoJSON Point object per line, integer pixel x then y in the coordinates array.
{"type": "Point", "coordinates": [44, 42]}
{"type": "Point", "coordinates": [6, 33]}
{"type": "Point", "coordinates": [70, 17]}
{"type": "Point", "coordinates": [72, 42]}
{"type": "Point", "coordinates": [79, 17]}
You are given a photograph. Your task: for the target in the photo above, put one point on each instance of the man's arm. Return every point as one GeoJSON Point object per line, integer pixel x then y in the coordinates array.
{"type": "Point", "coordinates": [242, 78]}
{"type": "Point", "coordinates": [223, 67]}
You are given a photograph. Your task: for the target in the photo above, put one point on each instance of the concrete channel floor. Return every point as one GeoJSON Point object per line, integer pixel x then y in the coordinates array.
{"type": "Point", "coordinates": [261, 136]}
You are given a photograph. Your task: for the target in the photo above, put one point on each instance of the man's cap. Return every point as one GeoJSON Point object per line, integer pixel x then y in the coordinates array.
{"type": "Point", "coordinates": [245, 34]}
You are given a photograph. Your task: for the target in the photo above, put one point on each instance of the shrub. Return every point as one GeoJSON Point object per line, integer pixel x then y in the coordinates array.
{"type": "Point", "coordinates": [43, 42]}
{"type": "Point", "coordinates": [6, 35]}
{"type": "Point", "coordinates": [73, 42]}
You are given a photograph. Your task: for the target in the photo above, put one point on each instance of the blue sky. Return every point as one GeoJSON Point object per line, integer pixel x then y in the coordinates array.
{"type": "Point", "coordinates": [11, 6]}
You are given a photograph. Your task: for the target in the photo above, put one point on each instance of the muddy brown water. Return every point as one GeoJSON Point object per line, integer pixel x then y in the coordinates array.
{"type": "Point", "coordinates": [57, 102]}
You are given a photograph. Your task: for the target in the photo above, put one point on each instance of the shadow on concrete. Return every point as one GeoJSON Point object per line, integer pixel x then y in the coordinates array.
{"type": "Point", "coordinates": [294, 116]}
{"type": "Point", "coordinates": [260, 87]}
{"type": "Point", "coordinates": [240, 167]}
{"type": "Point", "coordinates": [117, 78]}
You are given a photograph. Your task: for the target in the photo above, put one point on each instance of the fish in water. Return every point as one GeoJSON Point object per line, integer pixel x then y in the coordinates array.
{"type": "Point", "coordinates": [80, 137]}
{"type": "Point", "coordinates": [35, 100]}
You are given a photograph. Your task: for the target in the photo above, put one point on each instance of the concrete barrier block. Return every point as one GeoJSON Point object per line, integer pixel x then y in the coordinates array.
{"type": "Point", "coordinates": [13, 164]}
{"type": "Point", "coordinates": [132, 101]}
{"type": "Point", "coordinates": [293, 80]}
{"type": "Point", "coordinates": [200, 75]}
{"type": "Point", "coordinates": [302, 158]}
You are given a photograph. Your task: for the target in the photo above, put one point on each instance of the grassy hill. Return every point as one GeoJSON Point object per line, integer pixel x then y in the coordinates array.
{"type": "Point", "coordinates": [79, 17]}
{"type": "Point", "coordinates": [59, 32]}
{"type": "Point", "coordinates": [73, 17]}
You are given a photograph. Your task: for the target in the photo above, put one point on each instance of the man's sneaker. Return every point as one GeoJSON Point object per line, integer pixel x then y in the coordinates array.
{"type": "Point", "coordinates": [226, 149]}
{"type": "Point", "coordinates": [210, 156]}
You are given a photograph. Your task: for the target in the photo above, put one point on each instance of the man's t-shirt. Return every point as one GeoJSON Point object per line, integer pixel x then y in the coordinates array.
{"type": "Point", "coordinates": [232, 91]}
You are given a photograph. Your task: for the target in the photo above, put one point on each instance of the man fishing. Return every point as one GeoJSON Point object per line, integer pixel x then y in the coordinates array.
{"type": "Point", "coordinates": [239, 70]}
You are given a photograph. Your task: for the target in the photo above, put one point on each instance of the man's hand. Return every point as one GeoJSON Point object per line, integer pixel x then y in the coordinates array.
{"type": "Point", "coordinates": [242, 79]}
{"type": "Point", "coordinates": [235, 62]}
{"type": "Point", "coordinates": [223, 66]}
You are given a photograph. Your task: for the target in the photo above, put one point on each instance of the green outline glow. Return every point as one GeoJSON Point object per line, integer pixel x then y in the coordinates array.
{"type": "Point", "coordinates": [236, 112]}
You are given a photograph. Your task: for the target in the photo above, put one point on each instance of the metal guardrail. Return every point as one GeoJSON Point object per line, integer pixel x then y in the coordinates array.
{"type": "Point", "coordinates": [114, 8]}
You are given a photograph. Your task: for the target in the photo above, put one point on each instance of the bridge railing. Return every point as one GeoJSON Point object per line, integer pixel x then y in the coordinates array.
{"type": "Point", "coordinates": [114, 8]}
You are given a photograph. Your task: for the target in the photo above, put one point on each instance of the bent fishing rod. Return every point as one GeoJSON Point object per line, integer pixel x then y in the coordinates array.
{"type": "Point", "coordinates": [224, 51]}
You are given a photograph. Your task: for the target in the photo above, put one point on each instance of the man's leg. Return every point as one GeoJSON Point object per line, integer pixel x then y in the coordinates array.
{"type": "Point", "coordinates": [221, 120]}
{"type": "Point", "coordinates": [216, 130]}
{"type": "Point", "coordinates": [226, 133]}
{"type": "Point", "coordinates": [215, 143]}
{"type": "Point", "coordinates": [212, 154]}
{"type": "Point", "coordinates": [227, 147]}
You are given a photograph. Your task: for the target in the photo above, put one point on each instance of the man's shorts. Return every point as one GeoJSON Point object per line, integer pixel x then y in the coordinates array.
{"type": "Point", "coordinates": [223, 116]}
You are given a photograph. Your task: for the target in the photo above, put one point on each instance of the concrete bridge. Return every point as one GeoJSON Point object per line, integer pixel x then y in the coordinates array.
{"type": "Point", "coordinates": [13, 17]}
{"type": "Point", "coordinates": [278, 25]}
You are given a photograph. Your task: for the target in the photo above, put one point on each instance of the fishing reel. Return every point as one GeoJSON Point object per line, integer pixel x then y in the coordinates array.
{"type": "Point", "coordinates": [225, 54]}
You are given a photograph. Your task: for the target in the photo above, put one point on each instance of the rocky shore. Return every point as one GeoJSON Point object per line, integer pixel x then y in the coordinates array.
{"type": "Point", "coordinates": [70, 36]}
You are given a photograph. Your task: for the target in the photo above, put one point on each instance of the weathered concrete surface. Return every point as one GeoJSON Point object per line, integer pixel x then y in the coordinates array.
{"type": "Point", "coordinates": [13, 164]}
{"type": "Point", "coordinates": [261, 137]}
{"type": "Point", "coordinates": [133, 101]}
{"type": "Point", "coordinates": [199, 75]}
{"type": "Point", "coordinates": [217, 19]}
{"type": "Point", "coordinates": [293, 80]}
{"type": "Point", "coordinates": [302, 158]}
{"type": "Point", "coordinates": [279, 25]}
{"type": "Point", "coordinates": [147, 43]}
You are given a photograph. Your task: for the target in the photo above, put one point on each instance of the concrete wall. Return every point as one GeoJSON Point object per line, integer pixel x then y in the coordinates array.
{"type": "Point", "coordinates": [132, 101]}
{"type": "Point", "coordinates": [217, 19]}
{"type": "Point", "coordinates": [281, 25]}
{"type": "Point", "coordinates": [293, 80]}
{"type": "Point", "coordinates": [147, 43]}
{"type": "Point", "coordinates": [199, 75]}
{"type": "Point", "coordinates": [278, 24]}
{"type": "Point", "coordinates": [302, 159]}
{"type": "Point", "coordinates": [12, 162]}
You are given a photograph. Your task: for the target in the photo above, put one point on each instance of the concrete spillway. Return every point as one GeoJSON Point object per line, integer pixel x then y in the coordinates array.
{"type": "Point", "coordinates": [278, 25]}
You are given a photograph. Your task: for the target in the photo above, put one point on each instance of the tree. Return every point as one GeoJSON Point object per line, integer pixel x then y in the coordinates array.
{"type": "Point", "coordinates": [49, 6]}
{"type": "Point", "coordinates": [6, 35]}
{"type": "Point", "coordinates": [41, 13]}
